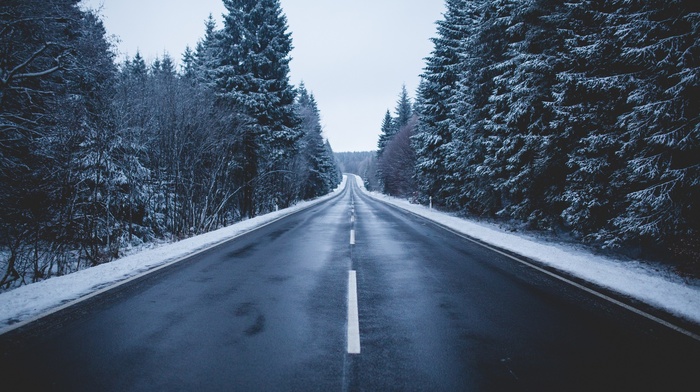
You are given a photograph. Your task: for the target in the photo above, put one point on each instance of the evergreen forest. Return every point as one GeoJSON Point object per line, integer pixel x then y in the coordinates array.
{"type": "Point", "coordinates": [579, 118]}
{"type": "Point", "coordinates": [98, 156]}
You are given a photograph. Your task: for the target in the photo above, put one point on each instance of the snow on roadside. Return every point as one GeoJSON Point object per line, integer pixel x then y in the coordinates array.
{"type": "Point", "coordinates": [634, 279]}
{"type": "Point", "coordinates": [28, 302]}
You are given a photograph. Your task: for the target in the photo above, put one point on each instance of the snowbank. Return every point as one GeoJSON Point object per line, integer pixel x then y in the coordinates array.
{"type": "Point", "coordinates": [27, 303]}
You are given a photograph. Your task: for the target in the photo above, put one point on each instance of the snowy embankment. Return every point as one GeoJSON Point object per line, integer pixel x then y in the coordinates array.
{"type": "Point", "coordinates": [633, 279]}
{"type": "Point", "coordinates": [26, 303]}
{"type": "Point", "coordinates": [660, 289]}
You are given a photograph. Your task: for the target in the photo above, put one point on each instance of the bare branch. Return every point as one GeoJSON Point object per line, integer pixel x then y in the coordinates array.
{"type": "Point", "coordinates": [38, 74]}
{"type": "Point", "coordinates": [10, 75]}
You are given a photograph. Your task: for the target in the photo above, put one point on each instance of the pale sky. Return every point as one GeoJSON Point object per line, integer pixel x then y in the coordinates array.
{"type": "Point", "coordinates": [354, 55]}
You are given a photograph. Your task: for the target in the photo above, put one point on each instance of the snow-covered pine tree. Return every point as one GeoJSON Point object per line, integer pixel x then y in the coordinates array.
{"type": "Point", "coordinates": [390, 128]}
{"type": "Point", "coordinates": [661, 50]}
{"type": "Point", "coordinates": [188, 66]}
{"type": "Point", "coordinates": [398, 162]}
{"type": "Point", "coordinates": [336, 174]}
{"type": "Point", "coordinates": [315, 168]}
{"type": "Point", "coordinates": [404, 109]}
{"type": "Point", "coordinates": [590, 95]}
{"type": "Point", "coordinates": [252, 73]}
{"type": "Point", "coordinates": [137, 66]}
{"type": "Point", "coordinates": [205, 58]}
{"type": "Point", "coordinates": [386, 132]}
{"type": "Point", "coordinates": [468, 183]}
{"type": "Point", "coordinates": [438, 84]}
{"type": "Point", "coordinates": [528, 162]}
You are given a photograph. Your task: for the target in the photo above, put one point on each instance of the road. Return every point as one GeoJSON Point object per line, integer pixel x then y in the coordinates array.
{"type": "Point", "coordinates": [269, 311]}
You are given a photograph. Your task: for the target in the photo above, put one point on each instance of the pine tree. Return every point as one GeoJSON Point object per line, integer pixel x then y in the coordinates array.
{"type": "Point", "coordinates": [403, 109]}
{"type": "Point", "coordinates": [205, 56]}
{"type": "Point", "coordinates": [391, 126]}
{"type": "Point", "coordinates": [468, 183]}
{"type": "Point", "coordinates": [252, 73]}
{"type": "Point", "coordinates": [529, 162]}
{"type": "Point", "coordinates": [97, 161]}
{"type": "Point", "coordinates": [398, 161]}
{"type": "Point", "coordinates": [188, 67]}
{"type": "Point", "coordinates": [316, 165]}
{"type": "Point", "coordinates": [589, 97]}
{"type": "Point", "coordinates": [660, 49]}
{"type": "Point", "coordinates": [387, 131]}
{"type": "Point", "coordinates": [438, 85]}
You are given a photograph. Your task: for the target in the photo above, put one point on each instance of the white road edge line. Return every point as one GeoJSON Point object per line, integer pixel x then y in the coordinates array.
{"type": "Point", "coordinates": [591, 291]}
{"type": "Point", "coordinates": [584, 288]}
{"type": "Point", "coordinates": [565, 280]}
{"type": "Point", "coordinates": [353, 315]}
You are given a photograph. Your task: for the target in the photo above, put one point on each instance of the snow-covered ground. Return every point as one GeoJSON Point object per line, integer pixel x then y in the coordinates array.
{"type": "Point", "coordinates": [26, 303]}
{"type": "Point", "coordinates": [653, 286]}
{"type": "Point", "coordinates": [637, 280]}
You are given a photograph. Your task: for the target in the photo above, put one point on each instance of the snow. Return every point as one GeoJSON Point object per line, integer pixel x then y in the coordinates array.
{"type": "Point", "coordinates": [634, 279]}
{"type": "Point", "coordinates": [27, 303]}
{"type": "Point", "coordinates": [660, 289]}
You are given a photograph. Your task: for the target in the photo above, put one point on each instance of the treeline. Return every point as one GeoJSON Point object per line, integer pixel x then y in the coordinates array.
{"type": "Point", "coordinates": [362, 163]}
{"type": "Point", "coordinates": [396, 155]}
{"type": "Point", "coordinates": [581, 116]}
{"type": "Point", "coordinates": [96, 157]}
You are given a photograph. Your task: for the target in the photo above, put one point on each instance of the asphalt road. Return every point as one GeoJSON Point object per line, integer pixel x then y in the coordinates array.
{"type": "Point", "coordinates": [270, 311]}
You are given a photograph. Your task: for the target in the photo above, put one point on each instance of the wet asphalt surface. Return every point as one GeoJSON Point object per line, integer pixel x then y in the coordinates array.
{"type": "Point", "coordinates": [268, 311]}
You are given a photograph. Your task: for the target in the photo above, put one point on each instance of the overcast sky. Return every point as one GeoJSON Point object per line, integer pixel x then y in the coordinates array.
{"type": "Point", "coordinates": [354, 55]}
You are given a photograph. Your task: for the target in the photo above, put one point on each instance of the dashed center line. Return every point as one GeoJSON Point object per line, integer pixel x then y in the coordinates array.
{"type": "Point", "coordinates": [353, 315]}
